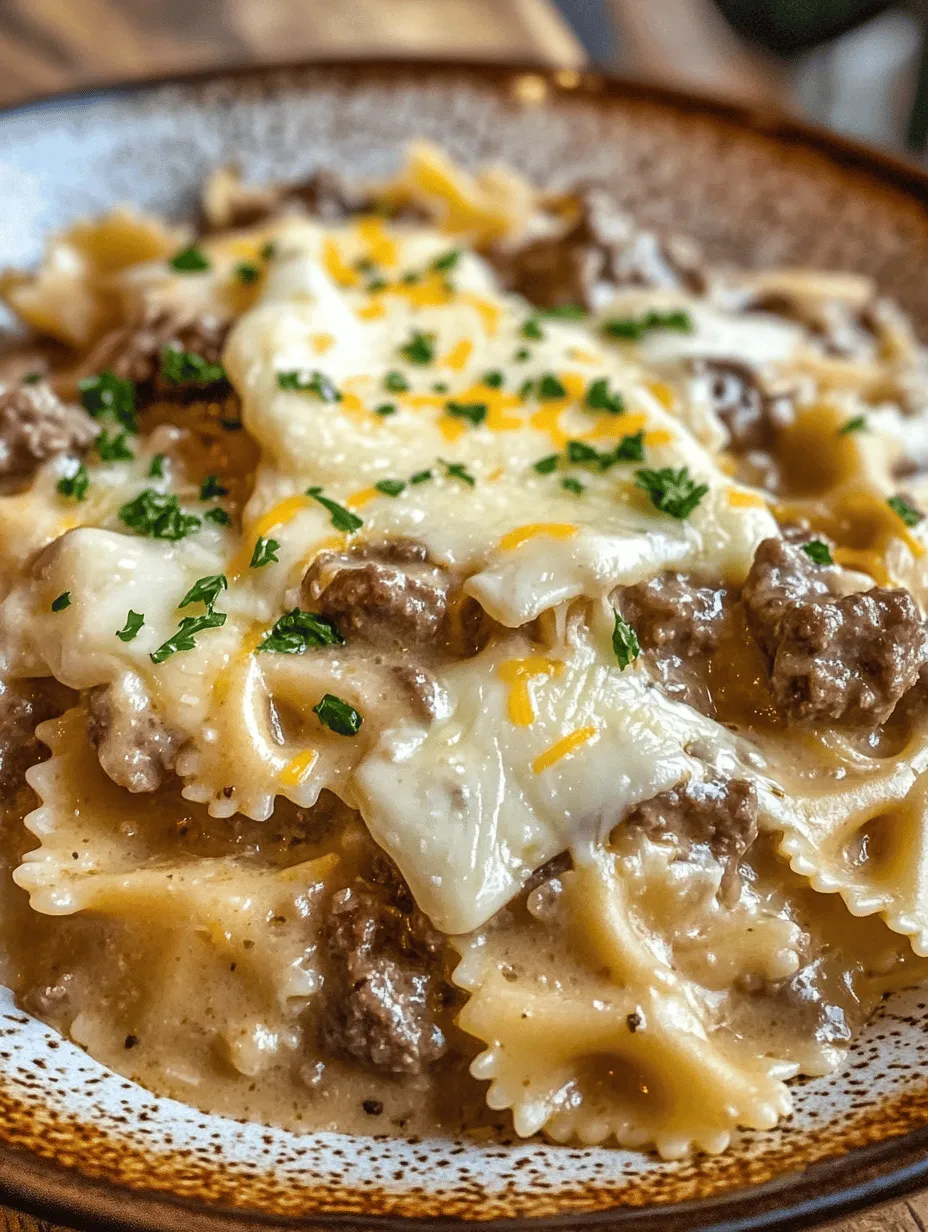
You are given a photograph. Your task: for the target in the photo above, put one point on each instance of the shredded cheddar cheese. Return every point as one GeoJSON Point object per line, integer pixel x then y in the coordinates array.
{"type": "Point", "coordinates": [563, 748]}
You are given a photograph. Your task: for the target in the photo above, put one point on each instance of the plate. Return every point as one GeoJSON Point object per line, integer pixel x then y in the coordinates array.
{"type": "Point", "coordinates": [84, 1146]}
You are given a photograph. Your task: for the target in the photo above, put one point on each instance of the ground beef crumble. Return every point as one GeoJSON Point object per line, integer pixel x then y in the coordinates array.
{"type": "Point", "coordinates": [35, 425]}
{"type": "Point", "coordinates": [135, 746]}
{"type": "Point", "coordinates": [133, 351]}
{"type": "Point", "coordinates": [23, 705]}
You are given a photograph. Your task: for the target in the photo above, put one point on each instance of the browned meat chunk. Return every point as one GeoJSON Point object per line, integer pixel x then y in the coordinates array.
{"type": "Point", "coordinates": [383, 985]}
{"type": "Point", "coordinates": [135, 746]}
{"type": "Point", "coordinates": [23, 705]}
{"type": "Point", "coordinates": [721, 816]}
{"type": "Point", "coordinates": [133, 352]}
{"type": "Point", "coordinates": [845, 660]}
{"type": "Point", "coordinates": [387, 595]}
{"type": "Point", "coordinates": [601, 250]}
{"type": "Point", "coordinates": [35, 425]}
{"type": "Point", "coordinates": [228, 202]}
{"type": "Point", "coordinates": [752, 415]}
{"type": "Point", "coordinates": [677, 623]}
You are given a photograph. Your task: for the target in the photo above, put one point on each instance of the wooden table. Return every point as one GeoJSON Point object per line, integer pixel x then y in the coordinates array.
{"type": "Point", "coordinates": [54, 44]}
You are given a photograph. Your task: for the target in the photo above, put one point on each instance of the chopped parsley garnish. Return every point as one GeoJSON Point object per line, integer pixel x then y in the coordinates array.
{"type": "Point", "coordinates": [522, 354]}
{"type": "Point", "coordinates": [158, 515]}
{"type": "Point", "coordinates": [219, 516]}
{"type": "Point", "coordinates": [106, 394]}
{"type": "Point", "coordinates": [134, 622]}
{"type": "Point", "coordinates": [440, 387]}
{"type": "Point", "coordinates": [192, 260]}
{"type": "Point", "coordinates": [457, 470]}
{"type": "Point", "coordinates": [630, 448]}
{"type": "Point", "coordinates": [265, 553]}
{"type": "Point", "coordinates": [338, 716]}
{"type": "Point", "coordinates": [314, 382]}
{"type": "Point", "coordinates": [342, 519]}
{"type": "Point", "coordinates": [377, 284]}
{"type": "Point", "coordinates": [211, 488]}
{"type": "Point", "coordinates": [113, 448]}
{"type": "Point", "coordinates": [385, 408]}
{"type": "Point", "coordinates": [269, 251]}
{"type": "Point", "coordinates": [390, 487]}
{"type": "Point", "coordinates": [76, 484]}
{"type": "Point", "coordinates": [545, 466]}
{"type": "Point", "coordinates": [31, 378]}
{"type": "Point", "coordinates": [247, 273]}
{"type": "Point", "coordinates": [565, 312]}
{"type": "Point", "coordinates": [205, 590]}
{"type": "Point", "coordinates": [573, 485]}
{"type": "Point", "coordinates": [156, 469]}
{"type": "Point", "coordinates": [857, 424]}
{"type": "Point", "coordinates": [527, 389]}
{"type": "Point", "coordinates": [598, 398]}
{"type": "Point", "coordinates": [63, 601]}
{"type": "Point", "coordinates": [447, 261]}
{"type": "Point", "coordinates": [549, 388]}
{"type": "Point", "coordinates": [420, 349]}
{"type": "Point", "coordinates": [624, 642]}
{"type": "Point", "coordinates": [492, 379]}
{"type": "Point", "coordinates": [475, 412]}
{"type": "Point", "coordinates": [365, 265]}
{"type": "Point", "coordinates": [901, 507]}
{"type": "Point", "coordinates": [631, 329]}
{"type": "Point", "coordinates": [178, 367]}
{"type": "Point", "coordinates": [420, 477]}
{"type": "Point", "coordinates": [581, 453]}
{"type": "Point", "coordinates": [818, 552]}
{"type": "Point", "coordinates": [672, 492]}
{"type": "Point", "coordinates": [411, 277]}
{"type": "Point", "coordinates": [395, 382]}
{"type": "Point", "coordinates": [297, 631]}
{"type": "Point", "coordinates": [532, 329]}
{"type": "Point", "coordinates": [187, 630]}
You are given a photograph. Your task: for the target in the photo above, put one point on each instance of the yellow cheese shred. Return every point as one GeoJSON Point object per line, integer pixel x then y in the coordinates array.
{"type": "Point", "coordinates": [553, 530]}
{"type": "Point", "coordinates": [563, 748]}
{"type": "Point", "coordinates": [517, 673]}
{"type": "Point", "coordinates": [299, 768]}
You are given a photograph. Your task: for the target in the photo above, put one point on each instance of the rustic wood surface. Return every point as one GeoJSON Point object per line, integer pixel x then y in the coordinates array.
{"type": "Point", "coordinates": [57, 44]}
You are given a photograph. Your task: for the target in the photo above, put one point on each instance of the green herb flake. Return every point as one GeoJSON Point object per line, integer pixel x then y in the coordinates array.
{"type": "Point", "coordinates": [527, 390]}
{"type": "Point", "coordinates": [187, 630]}
{"type": "Point", "coordinates": [546, 466]}
{"type": "Point", "coordinates": [549, 388]}
{"type": "Point", "coordinates": [219, 516]}
{"type": "Point", "coordinates": [411, 277]}
{"type": "Point", "coordinates": [113, 448]}
{"type": "Point", "coordinates": [269, 251]}
{"type": "Point", "coordinates": [63, 601]}
{"type": "Point", "coordinates": [672, 492]}
{"type": "Point", "coordinates": [818, 552]}
{"type": "Point", "coordinates": [106, 394]}
{"type": "Point", "coordinates": [447, 261]}
{"type": "Point", "coordinates": [624, 642]}
{"type": "Point", "coordinates": [532, 329]}
{"type": "Point", "coordinates": [211, 488]}
{"type": "Point", "coordinates": [338, 716]}
{"type": "Point", "coordinates": [265, 553]}
{"type": "Point", "coordinates": [632, 329]}
{"type": "Point", "coordinates": [599, 398]}
{"type": "Point", "coordinates": [156, 467]}
{"type": "Point", "coordinates": [395, 382]}
{"type": "Point", "coordinates": [457, 470]}
{"type": "Point", "coordinates": [205, 590]}
{"type": "Point", "coordinates": [191, 260]}
{"type": "Point", "coordinates": [247, 273]}
{"type": "Point", "coordinates": [390, 487]}
{"type": "Point", "coordinates": [377, 284]}
{"type": "Point", "coordinates": [907, 512]}
{"type": "Point", "coordinates": [314, 382]}
{"type": "Point", "coordinates": [186, 367]}
{"type": "Point", "coordinates": [492, 379]}
{"type": "Point", "coordinates": [130, 629]}
{"type": "Point", "coordinates": [385, 409]}
{"type": "Point", "coordinates": [522, 355]}
{"type": "Point", "coordinates": [76, 484]}
{"type": "Point", "coordinates": [420, 477]}
{"type": "Point", "coordinates": [630, 448]}
{"type": "Point", "coordinates": [31, 378]}
{"type": "Point", "coordinates": [420, 349]}
{"type": "Point", "coordinates": [564, 312]}
{"type": "Point", "coordinates": [582, 454]}
{"type": "Point", "coordinates": [439, 388]}
{"type": "Point", "coordinates": [342, 519]}
{"type": "Point", "coordinates": [474, 412]}
{"type": "Point", "coordinates": [573, 485]}
{"type": "Point", "coordinates": [296, 631]}
{"type": "Point", "coordinates": [857, 424]}
{"type": "Point", "coordinates": [158, 515]}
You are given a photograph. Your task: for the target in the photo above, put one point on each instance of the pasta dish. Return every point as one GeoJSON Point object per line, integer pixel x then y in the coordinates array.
{"type": "Point", "coordinates": [463, 664]}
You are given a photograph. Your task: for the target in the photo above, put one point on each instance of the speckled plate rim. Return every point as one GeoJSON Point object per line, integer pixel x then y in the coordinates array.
{"type": "Point", "coordinates": [864, 1176]}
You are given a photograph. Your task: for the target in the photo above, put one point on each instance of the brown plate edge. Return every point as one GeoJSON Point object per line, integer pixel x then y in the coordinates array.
{"type": "Point", "coordinates": [860, 1178]}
